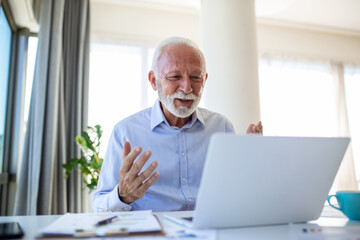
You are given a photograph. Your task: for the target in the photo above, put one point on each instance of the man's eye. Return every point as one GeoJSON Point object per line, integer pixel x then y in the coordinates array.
{"type": "Point", "coordinates": [196, 78]}
{"type": "Point", "coordinates": [173, 78]}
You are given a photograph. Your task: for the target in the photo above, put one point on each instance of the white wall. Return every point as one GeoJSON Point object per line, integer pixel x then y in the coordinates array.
{"type": "Point", "coordinates": [309, 43]}
{"type": "Point", "coordinates": [131, 23]}
{"type": "Point", "coordinates": [128, 23]}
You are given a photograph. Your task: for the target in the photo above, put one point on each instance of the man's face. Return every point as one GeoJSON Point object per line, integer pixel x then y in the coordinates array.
{"type": "Point", "coordinates": [181, 78]}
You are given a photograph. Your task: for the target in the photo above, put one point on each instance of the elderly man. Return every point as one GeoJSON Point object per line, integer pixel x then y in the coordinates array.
{"type": "Point", "coordinates": [174, 133]}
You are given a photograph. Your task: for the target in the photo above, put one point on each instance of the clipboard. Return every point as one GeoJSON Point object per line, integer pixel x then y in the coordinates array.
{"type": "Point", "coordinates": [81, 225]}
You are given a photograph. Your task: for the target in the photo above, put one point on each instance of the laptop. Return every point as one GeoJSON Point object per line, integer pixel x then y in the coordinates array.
{"type": "Point", "coordinates": [252, 180]}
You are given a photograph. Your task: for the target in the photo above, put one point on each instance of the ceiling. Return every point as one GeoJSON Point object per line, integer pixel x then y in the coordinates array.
{"type": "Point", "coordinates": [343, 15]}
{"type": "Point", "coordinates": [337, 14]}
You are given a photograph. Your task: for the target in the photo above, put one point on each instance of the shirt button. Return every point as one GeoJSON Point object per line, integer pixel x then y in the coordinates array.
{"type": "Point", "coordinates": [184, 179]}
{"type": "Point", "coordinates": [183, 154]}
{"type": "Point", "coordinates": [127, 208]}
{"type": "Point", "coordinates": [190, 200]}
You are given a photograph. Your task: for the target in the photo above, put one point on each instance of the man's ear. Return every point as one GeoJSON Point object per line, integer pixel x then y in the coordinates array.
{"type": "Point", "coordinates": [205, 78]}
{"type": "Point", "coordinates": [152, 80]}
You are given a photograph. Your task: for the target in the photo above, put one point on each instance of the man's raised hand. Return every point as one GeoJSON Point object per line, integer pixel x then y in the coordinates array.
{"type": "Point", "coordinates": [255, 129]}
{"type": "Point", "coordinates": [132, 185]}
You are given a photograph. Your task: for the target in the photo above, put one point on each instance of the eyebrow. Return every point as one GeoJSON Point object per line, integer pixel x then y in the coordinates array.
{"type": "Point", "coordinates": [174, 72]}
{"type": "Point", "coordinates": [196, 71]}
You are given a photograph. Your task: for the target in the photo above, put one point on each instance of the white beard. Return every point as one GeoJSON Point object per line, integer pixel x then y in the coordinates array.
{"type": "Point", "coordinates": [181, 111]}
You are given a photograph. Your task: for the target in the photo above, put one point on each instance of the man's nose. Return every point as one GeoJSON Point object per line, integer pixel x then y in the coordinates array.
{"type": "Point", "coordinates": [185, 85]}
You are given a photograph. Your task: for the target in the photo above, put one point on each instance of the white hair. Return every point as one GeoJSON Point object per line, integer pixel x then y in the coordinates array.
{"type": "Point", "coordinates": [173, 41]}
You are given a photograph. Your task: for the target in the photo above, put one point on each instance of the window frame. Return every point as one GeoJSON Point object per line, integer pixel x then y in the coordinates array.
{"type": "Point", "coordinates": [5, 176]}
{"type": "Point", "coordinates": [14, 106]}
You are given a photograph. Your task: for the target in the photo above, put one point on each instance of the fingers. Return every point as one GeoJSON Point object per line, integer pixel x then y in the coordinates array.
{"type": "Point", "coordinates": [255, 129]}
{"type": "Point", "coordinates": [146, 173]}
{"type": "Point", "coordinates": [138, 192]}
{"type": "Point", "coordinates": [132, 185]}
{"type": "Point", "coordinates": [127, 149]}
{"type": "Point", "coordinates": [138, 165]}
{"type": "Point", "coordinates": [125, 163]}
{"type": "Point", "coordinates": [260, 127]}
{"type": "Point", "coordinates": [146, 185]}
{"type": "Point", "coordinates": [250, 129]}
{"type": "Point", "coordinates": [129, 156]}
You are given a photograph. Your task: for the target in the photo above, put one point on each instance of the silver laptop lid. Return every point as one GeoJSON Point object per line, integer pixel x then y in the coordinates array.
{"type": "Point", "coordinates": [259, 180]}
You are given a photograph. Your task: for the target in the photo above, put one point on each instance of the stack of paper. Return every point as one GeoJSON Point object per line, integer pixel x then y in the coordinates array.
{"type": "Point", "coordinates": [85, 224]}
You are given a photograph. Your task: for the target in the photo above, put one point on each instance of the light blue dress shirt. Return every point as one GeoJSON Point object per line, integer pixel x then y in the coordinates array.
{"type": "Point", "coordinates": [180, 153]}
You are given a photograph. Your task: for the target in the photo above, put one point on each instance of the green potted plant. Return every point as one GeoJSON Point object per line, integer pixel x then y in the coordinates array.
{"type": "Point", "coordinates": [90, 162]}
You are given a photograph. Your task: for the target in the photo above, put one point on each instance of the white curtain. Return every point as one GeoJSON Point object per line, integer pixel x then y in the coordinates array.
{"type": "Point", "coordinates": [352, 89]}
{"type": "Point", "coordinates": [345, 179]}
{"type": "Point", "coordinates": [303, 97]}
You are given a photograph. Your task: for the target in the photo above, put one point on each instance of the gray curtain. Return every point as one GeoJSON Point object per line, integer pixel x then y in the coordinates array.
{"type": "Point", "coordinates": [58, 112]}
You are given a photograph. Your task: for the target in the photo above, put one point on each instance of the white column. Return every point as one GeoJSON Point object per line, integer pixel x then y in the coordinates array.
{"type": "Point", "coordinates": [230, 48]}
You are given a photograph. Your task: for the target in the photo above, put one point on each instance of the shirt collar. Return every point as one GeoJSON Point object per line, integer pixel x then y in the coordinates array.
{"type": "Point", "coordinates": [198, 115]}
{"type": "Point", "coordinates": [157, 116]}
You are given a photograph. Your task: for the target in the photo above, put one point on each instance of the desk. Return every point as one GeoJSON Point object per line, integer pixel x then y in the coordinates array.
{"type": "Point", "coordinates": [331, 217]}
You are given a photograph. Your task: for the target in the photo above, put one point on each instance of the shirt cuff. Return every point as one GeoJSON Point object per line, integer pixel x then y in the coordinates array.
{"type": "Point", "coordinates": [115, 204]}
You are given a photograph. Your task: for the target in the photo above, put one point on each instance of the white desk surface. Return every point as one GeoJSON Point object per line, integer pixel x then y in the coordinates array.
{"type": "Point", "coordinates": [330, 217]}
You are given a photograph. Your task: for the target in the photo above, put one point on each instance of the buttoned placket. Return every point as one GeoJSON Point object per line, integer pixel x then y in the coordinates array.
{"type": "Point", "coordinates": [189, 201]}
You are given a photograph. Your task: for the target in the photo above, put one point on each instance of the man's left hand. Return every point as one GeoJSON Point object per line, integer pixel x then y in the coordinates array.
{"type": "Point", "coordinates": [255, 129]}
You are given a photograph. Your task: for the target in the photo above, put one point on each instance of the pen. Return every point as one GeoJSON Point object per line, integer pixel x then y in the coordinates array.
{"type": "Point", "coordinates": [106, 221]}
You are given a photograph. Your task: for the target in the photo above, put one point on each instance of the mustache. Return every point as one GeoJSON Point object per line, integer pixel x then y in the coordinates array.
{"type": "Point", "coordinates": [184, 96]}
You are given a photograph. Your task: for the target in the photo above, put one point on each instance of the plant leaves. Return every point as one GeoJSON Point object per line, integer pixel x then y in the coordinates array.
{"type": "Point", "coordinates": [89, 163]}
{"type": "Point", "coordinates": [88, 141]}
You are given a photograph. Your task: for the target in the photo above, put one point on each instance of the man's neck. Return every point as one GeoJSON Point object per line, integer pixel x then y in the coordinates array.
{"type": "Point", "coordinates": [174, 120]}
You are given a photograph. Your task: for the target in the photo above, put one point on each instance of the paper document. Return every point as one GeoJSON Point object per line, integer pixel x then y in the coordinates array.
{"type": "Point", "coordinates": [85, 224]}
{"type": "Point", "coordinates": [176, 231]}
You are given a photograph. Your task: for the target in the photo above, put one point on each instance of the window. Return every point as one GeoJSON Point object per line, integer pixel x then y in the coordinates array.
{"type": "Point", "coordinates": [13, 88]}
{"type": "Point", "coordinates": [297, 98]}
{"type": "Point", "coordinates": [118, 84]}
{"type": "Point", "coordinates": [30, 68]}
{"type": "Point", "coordinates": [303, 98]}
{"type": "Point", "coordinates": [5, 50]}
{"type": "Point", "coordinates": [352, 89]}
